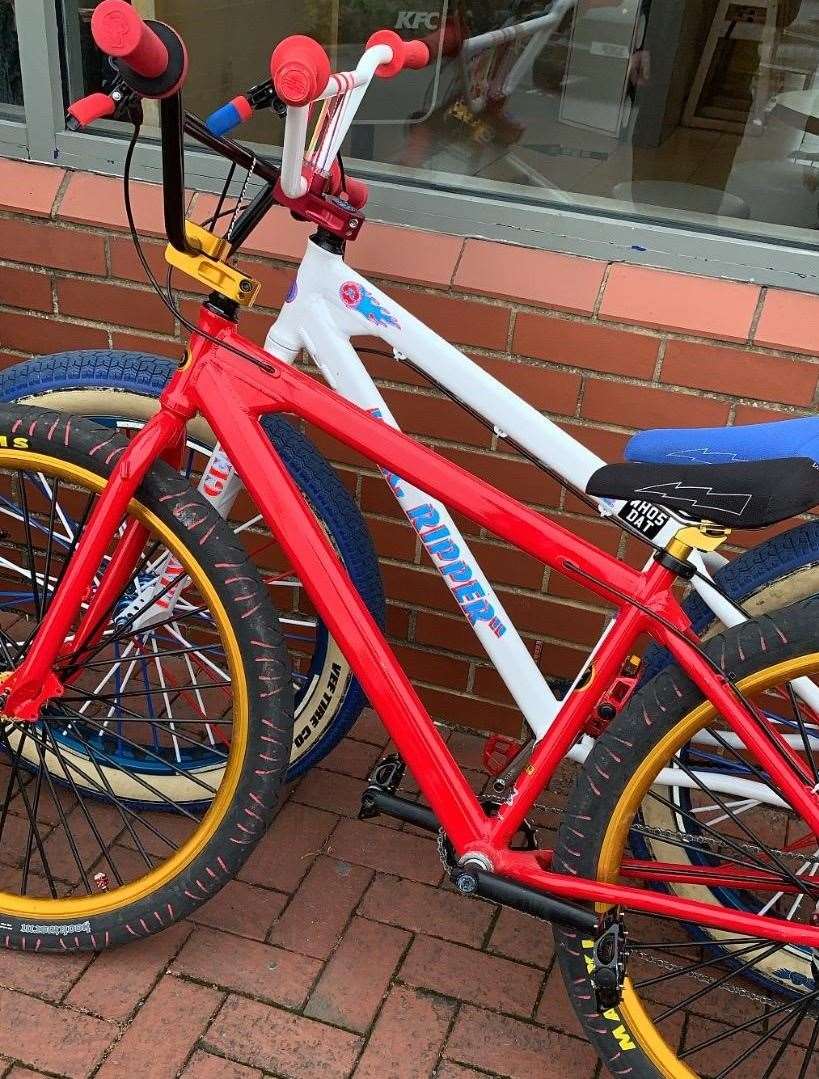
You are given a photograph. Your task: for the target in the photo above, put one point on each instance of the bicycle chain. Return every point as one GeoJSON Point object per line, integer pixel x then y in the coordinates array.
{"type": "Point", "coordinates": [713, 845]}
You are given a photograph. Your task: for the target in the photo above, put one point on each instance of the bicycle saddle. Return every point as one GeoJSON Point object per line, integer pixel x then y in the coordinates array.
{"type": "Point", "coordinates": [745, 494]}
{"type": "Point", "coordinates": [721, 445]}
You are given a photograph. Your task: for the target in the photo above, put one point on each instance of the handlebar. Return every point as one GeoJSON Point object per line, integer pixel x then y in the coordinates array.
{"type": "Point", "coordinates": [151, 61]}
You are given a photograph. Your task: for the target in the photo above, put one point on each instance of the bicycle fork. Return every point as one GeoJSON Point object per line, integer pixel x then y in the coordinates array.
{"type": "Point", "coordinates": [33, 683]}
{"type": "Point", "coordinates": [220, 486]}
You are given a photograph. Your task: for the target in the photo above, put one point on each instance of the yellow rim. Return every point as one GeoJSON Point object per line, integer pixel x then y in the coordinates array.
{"type": "Point", "coordinates": [90, 906]}
{"type": "Point", "coordinates": [631, 1010]}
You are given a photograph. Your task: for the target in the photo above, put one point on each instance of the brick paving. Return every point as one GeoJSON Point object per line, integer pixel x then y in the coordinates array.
{"type": "Point", "coordinates": [340, 953]}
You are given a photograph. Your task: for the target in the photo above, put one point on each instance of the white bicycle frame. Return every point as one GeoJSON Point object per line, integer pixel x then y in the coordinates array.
{"type": "Point", "coordinates": [328, 305]}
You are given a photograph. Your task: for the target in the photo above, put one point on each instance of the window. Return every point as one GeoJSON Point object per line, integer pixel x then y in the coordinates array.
{"type": "Point", "coordinates": [687, 126]}
{"type": "Point", "coordinates": [11, 85]}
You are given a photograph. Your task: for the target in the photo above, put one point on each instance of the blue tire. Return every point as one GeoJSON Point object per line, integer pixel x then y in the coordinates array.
{"type": "Point", "coordinates": [111, 386]}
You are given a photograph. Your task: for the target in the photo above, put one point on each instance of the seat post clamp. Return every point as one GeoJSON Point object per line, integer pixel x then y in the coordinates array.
{"type": "Point", "coordinates": [677, 566]}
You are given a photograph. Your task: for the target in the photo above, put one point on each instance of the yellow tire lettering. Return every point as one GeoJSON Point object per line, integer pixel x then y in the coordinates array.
{"type": "Point", "coordinates": [623, 1039]}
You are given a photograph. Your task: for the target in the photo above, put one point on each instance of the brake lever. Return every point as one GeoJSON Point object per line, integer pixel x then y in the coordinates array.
{"type": "Point", "coordinates": [122, 103]}
{"type": "Point", "coordinates": [264, 96]}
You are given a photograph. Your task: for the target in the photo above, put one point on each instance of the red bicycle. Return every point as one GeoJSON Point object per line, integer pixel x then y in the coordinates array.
{"type": "Point", "coordinates": [87, 518]}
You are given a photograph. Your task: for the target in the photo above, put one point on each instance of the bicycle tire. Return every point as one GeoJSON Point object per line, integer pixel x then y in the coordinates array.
{"type": "Point", "coordinates": [776, 573]}
{"type": "Point", "coordinates": [774, 647]}
{"type": "Point", "coordinates": [80, 455]}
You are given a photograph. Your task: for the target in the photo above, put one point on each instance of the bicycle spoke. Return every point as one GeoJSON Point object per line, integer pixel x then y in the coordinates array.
{"type": "Point", "coordinates": [103, 787]}
{"type": "Point", "coordinates": [783, 1046]}
{"type": "Point", "coordinates": [33, 828]}
{"type": "Point", "coordinates": [768, 1014]}
{"type": "Point", "coordinates": [124, 633]}
{"type": "Point", "coordinates": [812, 1044]}
{"type": "Point", "coordinates": [63, 819]}
{"type": "Point", "coordinates": [35, 591]}
{"type": "Point", "coordinates": [123, 811]}
{"type": "Point", "coordinates": [108, 697]}
{"type": "Point", "coordinates": [104, 848]}
{"type": "Point", "coordinates": [803, 731]}
{"type": "Point", "coordinates": [693, 967]}
{"type": "Point", "coordinates": [148, 753]}
{"type": "Point", "coordinates": [30, 837]}
{"type": "Point", "coordinates": [743, 855]}
{"type": "Point", "coordinates": [762, 1040]}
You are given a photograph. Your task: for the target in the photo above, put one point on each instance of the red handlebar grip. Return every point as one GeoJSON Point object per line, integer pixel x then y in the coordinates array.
{"type": "Point", "coordinates": [404, 53]}
{"type": "Point", "coordinates": [300, 69]}
{"type": "Point", "coordinates": [119, 30]}
{"type": "Point", "coordinates": [416, 54]}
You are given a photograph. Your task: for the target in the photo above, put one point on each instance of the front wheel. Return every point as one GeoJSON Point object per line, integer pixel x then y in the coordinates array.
{"type": "Point", "coordinates": [121, 389]}
{"type": "Point", "coordinates": [83, 865]}
{"type": "Point", "coordinates": [725, 1004]}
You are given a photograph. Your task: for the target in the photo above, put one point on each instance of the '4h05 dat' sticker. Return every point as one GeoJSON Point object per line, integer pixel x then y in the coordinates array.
{"type": "Point", "coordinates": [644, 517]}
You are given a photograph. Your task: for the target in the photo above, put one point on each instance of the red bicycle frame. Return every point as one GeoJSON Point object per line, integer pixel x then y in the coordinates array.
{"type": "Point", "coordinates": [232, 394]}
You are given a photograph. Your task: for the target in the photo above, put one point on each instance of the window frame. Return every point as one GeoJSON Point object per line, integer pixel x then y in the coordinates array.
{"type": "Point", "coordinates": [447, 204]}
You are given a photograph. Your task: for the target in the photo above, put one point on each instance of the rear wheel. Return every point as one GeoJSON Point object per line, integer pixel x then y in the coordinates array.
{"type": "Point", "coordinates": [121, 389]}
{"type": "Point", "coordinates": [723, 1004]}
{"type": "Point", "coordinates": [83, 862]}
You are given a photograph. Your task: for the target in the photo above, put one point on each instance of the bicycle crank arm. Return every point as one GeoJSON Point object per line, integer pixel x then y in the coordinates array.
{"type": "Point", "coordinates": [375, 801]}
{"type": "Point", "coordinates": [468, 879]}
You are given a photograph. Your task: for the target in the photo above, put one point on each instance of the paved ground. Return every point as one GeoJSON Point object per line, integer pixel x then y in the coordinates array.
{"type": "Point", "coordinates": [337, 954]}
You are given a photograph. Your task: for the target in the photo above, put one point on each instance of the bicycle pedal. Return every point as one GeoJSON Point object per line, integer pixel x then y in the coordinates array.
{"type": "Point", "coordinates": [498, 753]}
{"type": "Point", "coordinates": [608, 965]}
{"type": "Point", "coordinates": [385, 778]}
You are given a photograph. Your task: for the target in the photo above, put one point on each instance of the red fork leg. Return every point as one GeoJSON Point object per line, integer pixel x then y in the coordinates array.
{"type": "Point", "coordinates": [34, 682]}
{"type": "Point", "coordinates": [116, 576]}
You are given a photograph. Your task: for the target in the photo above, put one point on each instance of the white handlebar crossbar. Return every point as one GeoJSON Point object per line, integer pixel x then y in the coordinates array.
{"type": "Point", "coordinates": [351, 85]}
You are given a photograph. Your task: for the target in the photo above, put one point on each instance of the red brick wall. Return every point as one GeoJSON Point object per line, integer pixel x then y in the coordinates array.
{"type": "Point", "coordinates": [602, 349]}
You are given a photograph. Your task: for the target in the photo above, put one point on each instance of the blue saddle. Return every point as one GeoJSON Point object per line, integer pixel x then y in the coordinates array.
{"type": "Point", "coordinates": [722, 445]}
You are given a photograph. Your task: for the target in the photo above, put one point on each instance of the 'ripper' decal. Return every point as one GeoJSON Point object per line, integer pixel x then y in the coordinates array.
{"type": "Point", "coordinates": [459, 575]}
